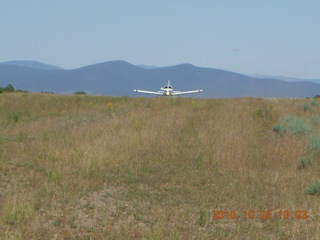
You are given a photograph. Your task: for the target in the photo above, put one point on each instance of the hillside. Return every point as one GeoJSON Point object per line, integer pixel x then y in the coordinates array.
{"type": "Point", "coordinates": [31, 64]}
{"type": "Point", "coordinates": [119, 78]}
{"type": "Point", "coordinates": [90, 167]}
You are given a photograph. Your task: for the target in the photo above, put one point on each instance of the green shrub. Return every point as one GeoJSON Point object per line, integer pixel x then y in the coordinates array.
{"type": "Point", "coordinates": [292, 124]}
{"type": "Point", "coordinates": [279, 128]}
{"type": "Point", "coordinates": [297, 125]}
{"type": "Point", "coordinates": [304, 162]}
{"type": "Point", "coordinates": [314, 188]}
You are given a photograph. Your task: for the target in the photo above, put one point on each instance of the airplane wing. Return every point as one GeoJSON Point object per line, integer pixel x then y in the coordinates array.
{"type": "Point", "coordinates": [149, 92]}
{"type": "Point", "coordinates": [176, 93]}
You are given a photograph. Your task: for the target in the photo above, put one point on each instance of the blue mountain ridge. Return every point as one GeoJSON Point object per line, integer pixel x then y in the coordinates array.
{"type": "Point", "coordinates": [119, 78]}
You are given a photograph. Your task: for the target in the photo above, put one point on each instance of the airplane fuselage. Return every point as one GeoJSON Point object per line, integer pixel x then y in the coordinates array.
{"type": "Point", "coordinates": [167, 91]}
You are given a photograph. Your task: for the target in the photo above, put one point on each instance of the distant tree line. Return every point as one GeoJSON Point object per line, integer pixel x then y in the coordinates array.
{"type": "Point", "coordinates": [9, 88]}
{"type": "Point", "coordinates": [81, 92]}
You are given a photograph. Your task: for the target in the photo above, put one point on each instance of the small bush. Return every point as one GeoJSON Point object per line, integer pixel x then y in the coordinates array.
{"type": "Point", "coordinates": [297, 125]}
{"type": "Point", "coordinates": [314, 188]}
{"type": "Point", "coordinates": [292, 124]}
{"type": "Point", "coordinates": [304, 163]}
{"type": "Point", "coordinates": [279, 128]}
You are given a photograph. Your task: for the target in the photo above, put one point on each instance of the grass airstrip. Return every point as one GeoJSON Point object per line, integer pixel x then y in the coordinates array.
{"type": "Point", "coordinates": [94, 167]}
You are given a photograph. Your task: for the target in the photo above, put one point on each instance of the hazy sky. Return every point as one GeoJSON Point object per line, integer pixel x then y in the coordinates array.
{"type": "Point", "coordinates": [275, 37]}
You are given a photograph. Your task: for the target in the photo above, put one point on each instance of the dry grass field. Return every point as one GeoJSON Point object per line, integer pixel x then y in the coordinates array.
{"type": "Point", "coordinates": [92, 167]}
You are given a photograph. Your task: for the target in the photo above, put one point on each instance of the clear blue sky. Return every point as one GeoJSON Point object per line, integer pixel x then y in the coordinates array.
{"type": "Point", "coordinates": [275, 37]}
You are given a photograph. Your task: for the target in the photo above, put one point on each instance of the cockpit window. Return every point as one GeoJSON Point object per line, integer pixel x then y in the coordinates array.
{"type": "Point", "coordinates": [168, 86]}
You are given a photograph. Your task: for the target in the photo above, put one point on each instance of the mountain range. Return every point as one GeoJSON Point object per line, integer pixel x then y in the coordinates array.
{"type": "Point", "coordinates": [119, 78]}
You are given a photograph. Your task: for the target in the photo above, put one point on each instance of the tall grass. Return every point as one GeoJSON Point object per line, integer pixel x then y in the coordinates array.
{"type": "Point", "coordinates": [314, 143]}
{"type": "Point", "coordinates": [17, 210]}
{"type": "Point", "coordinates": [89, 167]}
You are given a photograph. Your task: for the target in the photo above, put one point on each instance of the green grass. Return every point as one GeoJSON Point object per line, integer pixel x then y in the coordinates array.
{"type": "Point", "coordinates": [92, 167]}
{"type": "Point", "coordinates": [17, 210]}
{"type": "Point", "coordinates": [314, 143]}
{"type": "Point", "coordinates": [314, 188]}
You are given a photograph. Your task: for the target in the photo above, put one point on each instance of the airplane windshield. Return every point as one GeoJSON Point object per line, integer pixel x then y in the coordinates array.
{"type": "Point", "coordinates": [168, 86]}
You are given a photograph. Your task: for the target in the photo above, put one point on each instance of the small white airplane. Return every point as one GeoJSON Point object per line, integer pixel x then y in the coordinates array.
{"type": "Point", "coordinates": [167, 90]}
